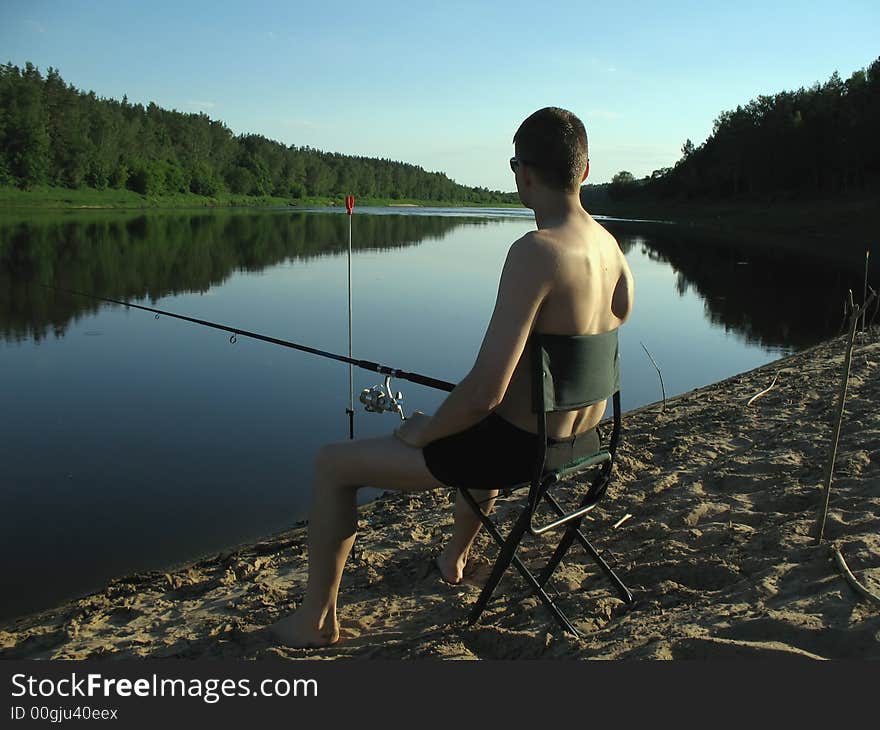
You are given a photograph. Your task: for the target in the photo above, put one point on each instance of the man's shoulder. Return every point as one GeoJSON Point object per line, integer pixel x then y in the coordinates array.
{"type": "Point", "coordinates": [532, 256]}
{"type": "Point", "coordinates": [535, 243]}
{"type": "Point", "coordinates": [556, 242]}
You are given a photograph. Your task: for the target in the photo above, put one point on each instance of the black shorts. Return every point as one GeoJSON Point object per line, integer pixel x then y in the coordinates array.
{"type": "Point", "coordinates": [494, 454]}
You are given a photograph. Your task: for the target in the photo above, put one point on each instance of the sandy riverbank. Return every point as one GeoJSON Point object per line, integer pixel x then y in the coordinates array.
{"type": "Point", "coordinates": [720, 552]}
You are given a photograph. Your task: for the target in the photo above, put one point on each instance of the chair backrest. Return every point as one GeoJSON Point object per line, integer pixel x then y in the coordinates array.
{"type": "Point", "coordinates": [573, 371]}
{"type": "Point", "coordinates": [569, 372]}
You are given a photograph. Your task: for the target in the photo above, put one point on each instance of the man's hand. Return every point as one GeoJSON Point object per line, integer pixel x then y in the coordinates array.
{"type": "Point", "coordinates": [412, 429]}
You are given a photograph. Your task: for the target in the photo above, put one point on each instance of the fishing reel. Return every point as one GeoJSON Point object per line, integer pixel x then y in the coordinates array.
{"type": "Point", "coordinates": [381, 398]}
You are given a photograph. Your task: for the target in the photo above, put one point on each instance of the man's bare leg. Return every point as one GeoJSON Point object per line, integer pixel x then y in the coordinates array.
{"type": "Point", "coordinates": [453, 558]}
{"type": "Point", "coordinates": [339, 468]}
{"type": "Point", "coordinates": [332, 530]}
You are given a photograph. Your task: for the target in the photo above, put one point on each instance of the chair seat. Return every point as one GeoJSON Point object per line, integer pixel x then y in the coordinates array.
{"type": "Point", "coordinates": [554, 475]}
{"type": "Point", "coordinates": [584, 462]}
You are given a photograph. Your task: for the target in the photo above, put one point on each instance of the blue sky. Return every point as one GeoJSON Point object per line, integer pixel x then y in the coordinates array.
{"type": "Point", "coordinates": [445, 84]}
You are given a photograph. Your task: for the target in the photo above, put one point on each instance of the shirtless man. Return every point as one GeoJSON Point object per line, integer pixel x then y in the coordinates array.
{"type": "Point", "coordinates": [567, 277]}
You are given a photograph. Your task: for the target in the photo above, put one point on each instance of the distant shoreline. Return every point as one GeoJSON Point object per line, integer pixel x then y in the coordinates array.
{"type": "Point", "coordinates": [54, 198]}
{"type": "Point", "coordinates": [831, 226]}
{"type": "Point", "coordinates": [839, 228]}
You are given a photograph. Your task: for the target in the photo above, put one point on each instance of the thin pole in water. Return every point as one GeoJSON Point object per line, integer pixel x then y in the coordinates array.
{"type": "Point", "coordinates": [349, 206]}
{"type": "Point", "coordinates": [865, 290]}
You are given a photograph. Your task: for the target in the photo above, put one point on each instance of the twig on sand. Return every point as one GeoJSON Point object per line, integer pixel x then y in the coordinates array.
{"type": "Point", "coordinates": [829, 470]}
{"type": "Point", "coordinates": [657, 368]}
{"type": "Point", "coordinates": [766, 390]}
{"type": "Point", "coordinates": [621, 521]}
{"type": "Point", "coordinates": [851, 579]}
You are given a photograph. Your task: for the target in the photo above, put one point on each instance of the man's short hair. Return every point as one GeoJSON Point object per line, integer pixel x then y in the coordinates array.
{"type": "Point", "coordinates": [554, 142]}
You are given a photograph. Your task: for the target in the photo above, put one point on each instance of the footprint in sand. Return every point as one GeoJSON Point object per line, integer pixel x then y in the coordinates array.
{"type": "Point", "coordinates": [706, 509]}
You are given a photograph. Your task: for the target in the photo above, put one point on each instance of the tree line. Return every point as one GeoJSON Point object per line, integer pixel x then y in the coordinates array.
{"type": "Point", "coordinates": [51, 133]}
{"type": "Point", "coordinates": [817, 141]}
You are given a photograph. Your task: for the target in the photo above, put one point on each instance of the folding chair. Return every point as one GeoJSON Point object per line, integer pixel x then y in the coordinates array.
{"type": "Point", "coordinates": [569, 372]}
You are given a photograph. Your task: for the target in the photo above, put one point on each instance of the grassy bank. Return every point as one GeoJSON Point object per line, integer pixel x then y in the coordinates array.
{"type": "Point", "coordinates": [54, 198]}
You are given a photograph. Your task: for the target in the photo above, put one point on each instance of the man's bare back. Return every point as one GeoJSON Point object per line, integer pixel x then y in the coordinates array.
{"type": "Point", "coordinates": [590, 292]}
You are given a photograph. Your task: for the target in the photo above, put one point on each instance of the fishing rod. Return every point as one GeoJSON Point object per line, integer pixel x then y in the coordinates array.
{"type": "Point", "coordinates": [377, 399]}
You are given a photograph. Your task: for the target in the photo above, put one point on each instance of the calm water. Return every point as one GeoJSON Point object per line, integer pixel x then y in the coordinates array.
{"type": "Point", "coordinates": [128, 443]}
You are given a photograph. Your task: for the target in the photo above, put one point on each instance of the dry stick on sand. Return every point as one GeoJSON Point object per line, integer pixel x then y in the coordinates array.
{"type": "Point", "coordinates": [763, 392]}
{"type": "Point", "coordinates": [853, 325]}
{"type": "Point", "coordinates": [662, 387]}
{"type": "Point", "coordinates": [850, 578]}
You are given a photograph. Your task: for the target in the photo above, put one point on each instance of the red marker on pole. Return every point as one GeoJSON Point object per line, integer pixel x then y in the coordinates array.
{"type": "Point", "coordinates": [349, 206]}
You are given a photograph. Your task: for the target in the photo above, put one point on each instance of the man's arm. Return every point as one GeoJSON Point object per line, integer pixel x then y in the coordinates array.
{"type": "Point", "coordinates": [525, 282]}
{"type": "Point", "coordinates": [622, 297]}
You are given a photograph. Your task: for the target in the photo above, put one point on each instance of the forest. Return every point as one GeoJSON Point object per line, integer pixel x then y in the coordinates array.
{"type": "Point", "coordinates": [792, 145]}
{"type": "Point", "coordinates": [809, 143]}
{"type": "Point", "coordinates": [51, 133]}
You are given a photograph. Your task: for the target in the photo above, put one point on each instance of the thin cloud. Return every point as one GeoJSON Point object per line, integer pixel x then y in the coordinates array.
{"type": "Point", "coordinates": [299, 123]}
{"type": "Point", "coordinates": [601, 64]}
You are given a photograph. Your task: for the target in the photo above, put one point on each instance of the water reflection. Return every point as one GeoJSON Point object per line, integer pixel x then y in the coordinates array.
{"type": "Point", "coordinates": [776, 299]}
{"type": "Point", "coordinates": [770, 298]}
{"type": "Point", "coordinates": [157, 255]}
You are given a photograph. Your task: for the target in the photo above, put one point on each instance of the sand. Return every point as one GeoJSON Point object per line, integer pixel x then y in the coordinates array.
{"type": "Point", "coordinates": [720, 552]}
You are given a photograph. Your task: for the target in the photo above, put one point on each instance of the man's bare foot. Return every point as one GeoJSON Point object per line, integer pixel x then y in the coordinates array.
{"type": "Point", "coordinates": [300, 632]}
{"type": "Point", "coordinates": [451, 566]}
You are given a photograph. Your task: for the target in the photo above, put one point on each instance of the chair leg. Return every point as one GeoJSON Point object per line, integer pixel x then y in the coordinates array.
{"type": "Point", "coordinates": [564, 544]}
{"type": "Point", "coordinates": [558, 554]}
{"type": "Point", "coordinates": [505, 557]}
{"type": "Point", "coordinates": [622, 590]}
{"type": "Point", "coordinates": [573, 533]}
